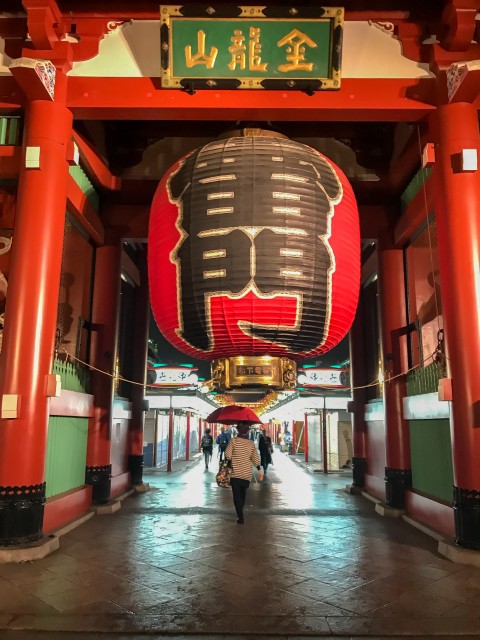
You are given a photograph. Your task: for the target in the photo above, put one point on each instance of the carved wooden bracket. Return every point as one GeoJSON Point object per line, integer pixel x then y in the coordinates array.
{"type": "Point", "coordinates": [35, 77]}
{"type": "Point", "coordinates": [463, 81]}
{"type": "Point", "coordinates": [59, 38]}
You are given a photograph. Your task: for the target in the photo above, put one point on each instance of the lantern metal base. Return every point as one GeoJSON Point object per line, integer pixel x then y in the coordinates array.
{"type": "Point", "coordinates": [257, 371]}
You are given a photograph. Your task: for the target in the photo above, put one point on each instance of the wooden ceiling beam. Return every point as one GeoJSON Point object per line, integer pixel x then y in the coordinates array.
{"type": "Point", "coordinates": [94, 166]}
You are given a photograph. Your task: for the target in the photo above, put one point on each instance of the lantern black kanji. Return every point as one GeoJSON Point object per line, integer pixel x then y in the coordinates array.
{"type": "Point", "coordinates": [254, 249]}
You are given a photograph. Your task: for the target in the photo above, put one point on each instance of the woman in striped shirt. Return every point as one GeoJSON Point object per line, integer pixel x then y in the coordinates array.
{"type": "Point", "coordinates": [243, 454]}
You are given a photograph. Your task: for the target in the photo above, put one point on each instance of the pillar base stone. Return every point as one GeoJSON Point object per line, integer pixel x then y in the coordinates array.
{"type": "Point", "coordinates": [436, 535]}
{"type": "Point", "coordinates": [142, 488]}
{"type": "Point", "coordinates": [352, 489]}
{"type": "Point", "coordinates": [29, 552]}
{"type": "Point", "coordinates": [459, 555]}
{"type": "Point", "coordinates": [389, 512]}
{"type": "Point", "coordinates": [107, 509]}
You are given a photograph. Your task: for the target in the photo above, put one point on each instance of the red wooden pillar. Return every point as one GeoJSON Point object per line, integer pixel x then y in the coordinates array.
{"type": "Point", "coordinates": [457, 210]}
{"type": "Point", "coordinates": [324, 436]}
{"type": "Point", "coordinates": [30, 321]}
{"type": "Point", "coordinates": [200, 430]}
{"type": "Point", "coordinates": [305, 437]}
{"type": "Point", "coordinates": [140, 351]}
{"type": "Point", "coordinates": [294, 438]}
{"type": "Point", "coordinates": [171, 415]}
{"type": "Point", "coordinates": [103, 354]}
{"type": "Point", "coordinates": [398, 473]}
{"type": "Point", "coordinates": [187, 438]}
{"type": "Point", "coordinates": [358, 380]}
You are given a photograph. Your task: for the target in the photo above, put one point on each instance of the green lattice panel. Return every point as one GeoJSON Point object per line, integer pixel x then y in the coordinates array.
{"type": "Point", "coordinates": [424, 380]}
{"type": "Point", "coordinates": [73, 377]}
{"type": "Point", "coordinates": [414, 186]}
{"type": "Point", "coordinates": [81, 178]}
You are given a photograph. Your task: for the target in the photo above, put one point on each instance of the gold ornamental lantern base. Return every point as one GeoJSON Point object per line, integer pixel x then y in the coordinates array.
{"type": "Point", "coordinates": [253, 371]}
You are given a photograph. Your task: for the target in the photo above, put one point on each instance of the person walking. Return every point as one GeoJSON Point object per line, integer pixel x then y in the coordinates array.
{"type": "Point", "coordinates": [265, 447]}
{"type": "Point", "coordinates": [243, 455]}
{"type": "Point", "coordinates": [222, 440]}
{"type": "Point", "coordinates": [207, 447]}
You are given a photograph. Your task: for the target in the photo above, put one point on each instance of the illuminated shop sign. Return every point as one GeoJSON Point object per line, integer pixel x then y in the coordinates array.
{"type": "Point", "coordinates": [246, 48]}
{"type": "Point", "coordinates": [239, 371]}
{"type": "Point", "coordinates": [323, 378]}
{"type": "Point", "coordinates": [174, 377]}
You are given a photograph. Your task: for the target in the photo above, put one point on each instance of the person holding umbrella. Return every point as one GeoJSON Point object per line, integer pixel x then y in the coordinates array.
{"type": "Point", "coordinates": [244, 455]}
{"type": "Point", "coordinates": [241, 451]}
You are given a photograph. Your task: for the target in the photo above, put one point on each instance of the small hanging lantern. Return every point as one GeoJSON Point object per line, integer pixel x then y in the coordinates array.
{"type": "Point", "coordinates": [254, 250]}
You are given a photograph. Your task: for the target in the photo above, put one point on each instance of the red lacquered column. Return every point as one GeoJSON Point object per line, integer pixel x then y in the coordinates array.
{"type": "Point", "coordinates": [200, 433]}
{"type": "Point", "coordinates": [171, 416]}
{"type": "Point", "coordinates": [103, 353]}
{"type": "Point", "coordinates": [187, 438]}
{"type": "Point", "coordinates": [139, 372]}
{"type": "Point", "coordinates": [457, 210]}
{"type": "Point", "coordinates": [359, 395]}
{"type": "Point", "coordinates": [305, 436]}
{"type": "Point", "coordinates": [391, 289]}
{"type": "Point", "coordinates": [30, 321]}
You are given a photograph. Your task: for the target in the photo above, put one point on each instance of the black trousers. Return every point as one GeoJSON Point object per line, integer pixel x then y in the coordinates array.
{"type": "Point", "coordinates": [265, 459]}
{"type": "Point", "coordinates": [239, 490]}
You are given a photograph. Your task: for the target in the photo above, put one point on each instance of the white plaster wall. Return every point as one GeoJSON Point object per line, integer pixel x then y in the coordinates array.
{"type": "Point", "coordinates": [133, 50]}
{"type": "Point", "coordinates": [314, 438]}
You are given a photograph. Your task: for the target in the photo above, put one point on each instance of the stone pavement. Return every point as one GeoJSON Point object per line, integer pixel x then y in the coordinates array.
{"type": "Point", "coordinates": [310, 561]}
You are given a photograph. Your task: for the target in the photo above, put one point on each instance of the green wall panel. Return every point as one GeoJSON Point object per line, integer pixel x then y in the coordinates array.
{"type": "Point", "coordinates": [66, 454]}
{"type": "Point", "coordinates": [431, 452]}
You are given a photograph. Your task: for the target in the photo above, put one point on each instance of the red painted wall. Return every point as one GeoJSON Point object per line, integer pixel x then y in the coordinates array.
{"type": "Point", "coordinates": [63, 509]}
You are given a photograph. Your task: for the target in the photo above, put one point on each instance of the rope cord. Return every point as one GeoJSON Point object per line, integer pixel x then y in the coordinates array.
{"type": "Point", "coordinates": [154, 386]}
{"type": "Point", "coordinates": [424, 191]}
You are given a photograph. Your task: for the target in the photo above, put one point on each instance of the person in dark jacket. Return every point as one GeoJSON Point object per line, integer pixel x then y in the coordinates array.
{"type": "Point", "coordinates": [207, 446]}
{"type": "Point", "coordinates": [223, 439]}
{"type": "Point", "coordinates": [265, 448]}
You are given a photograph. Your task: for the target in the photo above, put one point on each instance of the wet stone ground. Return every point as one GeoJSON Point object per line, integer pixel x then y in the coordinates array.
{"type": "Point", "coordinates": [310, 560]}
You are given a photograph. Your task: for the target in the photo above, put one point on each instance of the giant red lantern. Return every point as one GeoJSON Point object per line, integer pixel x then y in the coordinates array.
{"type": "Point", "coordinates": [254, 249]}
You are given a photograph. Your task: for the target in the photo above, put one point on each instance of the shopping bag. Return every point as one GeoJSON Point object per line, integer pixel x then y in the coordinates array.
{"type": "Point", "coordinates": [224, 473]}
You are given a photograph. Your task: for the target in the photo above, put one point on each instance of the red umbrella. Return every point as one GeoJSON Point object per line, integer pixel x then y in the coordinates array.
{"type": "Point", "coordinates": [233, 414]}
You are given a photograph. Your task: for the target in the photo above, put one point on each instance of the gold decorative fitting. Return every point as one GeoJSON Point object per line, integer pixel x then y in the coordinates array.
{"type": "Point", "coordinates": [252, 12]}
{"type": "Point", "coordinates": [251, 132]}
{"type": "Point", "coordinates": [258, 371]}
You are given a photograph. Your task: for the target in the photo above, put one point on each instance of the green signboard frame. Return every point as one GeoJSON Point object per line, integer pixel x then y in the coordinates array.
{"type": "Point", "coordinates": [240, 47]}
